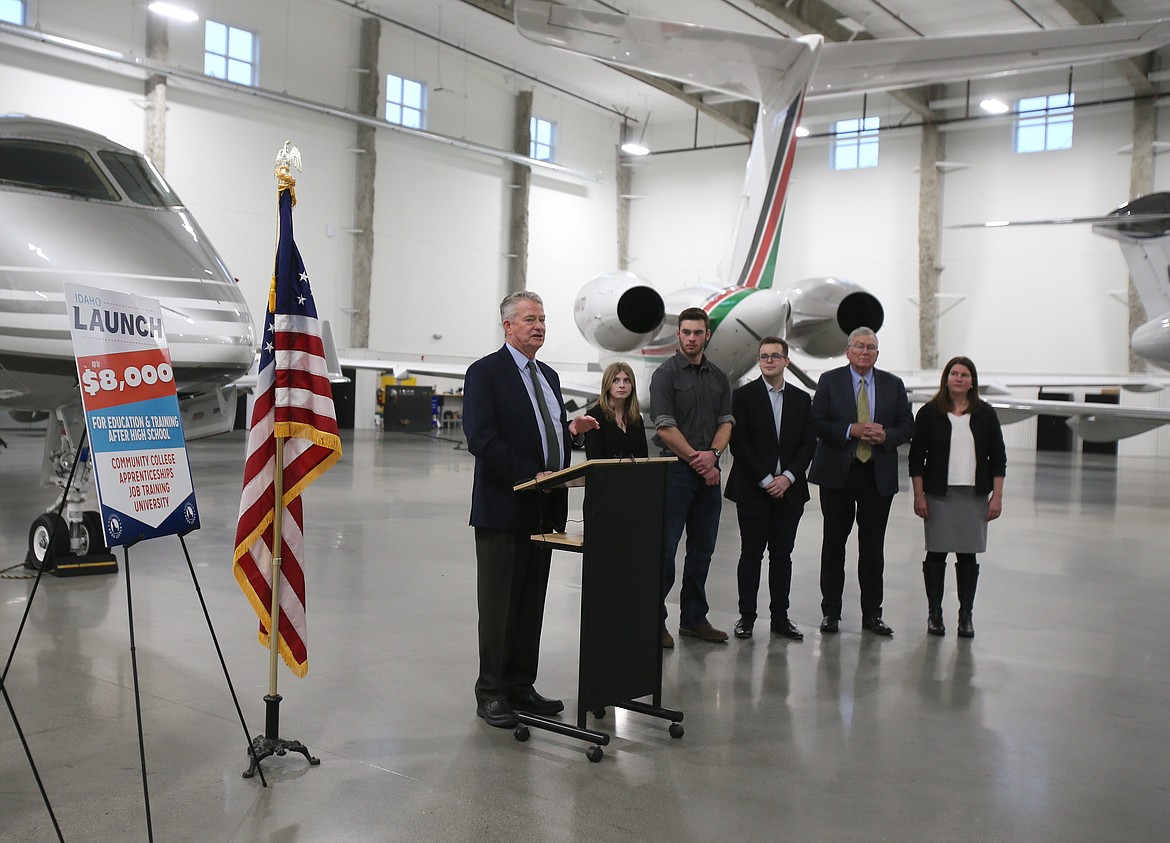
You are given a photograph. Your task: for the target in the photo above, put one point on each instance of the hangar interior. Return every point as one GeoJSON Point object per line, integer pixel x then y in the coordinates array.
{"type": "Point", "coordinates": [1044, 727]}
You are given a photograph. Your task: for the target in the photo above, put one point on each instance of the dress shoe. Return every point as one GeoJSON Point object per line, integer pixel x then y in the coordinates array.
{"type": "Point", "coordinates": [704, 632]}
{"type": "Point", "coordinates": [497, 713]}
{"type": "Point", "coordinates": [877, 626]}
{"type": "Point", "coordinates": [829, 624]}
{"type": "Point", "coordinates": [667, 638]}
{"type": "Point", "coordinates": [787, 629]}
{"type": "Point", "coordinates": [743, 628]}
{"type": "Point", "coordinates": [534, 703]}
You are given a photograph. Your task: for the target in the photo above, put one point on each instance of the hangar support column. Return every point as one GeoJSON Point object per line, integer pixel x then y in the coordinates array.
{"type": "Point", "coordinates": [365, 170]}
{"type": "Point", "coordinates": [1141, 181]}
{"type": "Point", "coordinates": [929, 205]}
{"type": "Point", "coordinates": [521, 188]}
{"type": "Point", "coordinates": [157, 49]}
{"type": "Point", "coordinates": [625, 180]}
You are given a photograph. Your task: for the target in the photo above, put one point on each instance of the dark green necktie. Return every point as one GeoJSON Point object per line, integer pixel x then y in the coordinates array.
{"type": "Point", "coordinates": [550, 431]}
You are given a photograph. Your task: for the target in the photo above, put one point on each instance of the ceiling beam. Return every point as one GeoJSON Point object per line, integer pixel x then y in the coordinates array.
{"type": "Point", "coordinates": [1091, 12]}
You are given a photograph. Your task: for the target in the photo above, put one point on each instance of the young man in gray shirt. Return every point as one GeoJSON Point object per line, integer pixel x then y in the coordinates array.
{"type": "Point", "coordinates": [690, 404]}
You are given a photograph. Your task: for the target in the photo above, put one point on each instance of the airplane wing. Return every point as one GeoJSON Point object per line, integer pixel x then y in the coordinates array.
{"type": "Point", "coordinates": [1091, 422]}
{"type": "Point", "coordinates": [746, 65]}
{"type": "Point", "coordinates": [881, 64]}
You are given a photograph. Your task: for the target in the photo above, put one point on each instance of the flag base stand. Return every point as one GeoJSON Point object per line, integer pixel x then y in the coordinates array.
{"type": "Point", "coordinates": [269, 744]}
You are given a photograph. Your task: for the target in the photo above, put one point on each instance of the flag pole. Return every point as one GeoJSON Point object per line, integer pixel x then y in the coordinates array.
{"type": "Point", "coordinates": [272, 721]}
{"type": "Point", "coordinates": [270, 743]}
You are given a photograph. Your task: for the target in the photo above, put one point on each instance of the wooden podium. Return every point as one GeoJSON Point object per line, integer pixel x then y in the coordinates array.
{"type": "Point", "coordinates": [621, 592]}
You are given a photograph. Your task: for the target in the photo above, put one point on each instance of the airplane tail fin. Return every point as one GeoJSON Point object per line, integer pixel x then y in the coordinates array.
{"type": "Point", "coordinates": [772, 70]}
{"type": "Point", "coordinates": [1142, 230]}
{"type": "Point", "coordinates": [1145, 243]}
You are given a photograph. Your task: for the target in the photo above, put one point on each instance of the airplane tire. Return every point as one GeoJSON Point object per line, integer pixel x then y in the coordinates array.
{"type": "Point", "coordinates": [47, 541]}
{"type": "Point", "coordinates": [92, 540]}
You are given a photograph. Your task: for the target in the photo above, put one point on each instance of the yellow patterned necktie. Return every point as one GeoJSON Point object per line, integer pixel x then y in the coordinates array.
{"type": "Point", "coordinates": [864, 449]}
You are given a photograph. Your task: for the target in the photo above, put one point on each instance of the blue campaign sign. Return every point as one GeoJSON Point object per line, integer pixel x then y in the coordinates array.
{"type": "Point", "coordinates": [136, 439]}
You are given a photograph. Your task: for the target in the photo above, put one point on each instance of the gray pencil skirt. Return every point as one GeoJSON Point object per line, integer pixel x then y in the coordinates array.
{"type": "Point", "coordinates": [957, 521]}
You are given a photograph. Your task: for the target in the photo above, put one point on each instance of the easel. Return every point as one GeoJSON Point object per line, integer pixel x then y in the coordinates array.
{"type": "Point", "coordinates": [134, 670]}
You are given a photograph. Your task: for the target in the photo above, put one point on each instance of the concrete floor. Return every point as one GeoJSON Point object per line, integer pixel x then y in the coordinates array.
{"type": "Point", "coordinates": [1049, 726]}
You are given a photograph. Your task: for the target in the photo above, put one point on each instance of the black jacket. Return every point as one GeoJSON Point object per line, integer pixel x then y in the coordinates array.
{"type": "Point", "coordinates": [930, 449]}
{"type": "Point", "coordinates": [609, 442]}
{"type": "Point", "coordinates": [756, 448]}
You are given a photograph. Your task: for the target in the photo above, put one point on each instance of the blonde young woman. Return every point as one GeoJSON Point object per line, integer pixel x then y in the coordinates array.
{"type": "Point", "coordinates": [622, 433]}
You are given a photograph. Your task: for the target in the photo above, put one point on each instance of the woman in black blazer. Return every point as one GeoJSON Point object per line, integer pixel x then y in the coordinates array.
{"type": "Point", "coordinates": [622, 433]}
{"type": "Point", "coordinates": [957, 466]}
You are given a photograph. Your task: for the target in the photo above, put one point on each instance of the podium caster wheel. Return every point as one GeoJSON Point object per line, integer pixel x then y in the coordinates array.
{"type": "Point", "coordinates": [594, 754]}
{"type": "Point", "coordinates": [599, 712]}
{"type": "Point", "coordinates": [676, 730]}
{"type": "Point", "coordinates": [521, 734]}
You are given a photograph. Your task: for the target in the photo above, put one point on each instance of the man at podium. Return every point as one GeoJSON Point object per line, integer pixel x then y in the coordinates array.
{"type": "Point", "coordinates": [516, 427]}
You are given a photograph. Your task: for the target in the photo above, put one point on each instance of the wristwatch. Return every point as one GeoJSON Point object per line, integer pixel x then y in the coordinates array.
{"type": "Point", "coordinates": [717, 453]}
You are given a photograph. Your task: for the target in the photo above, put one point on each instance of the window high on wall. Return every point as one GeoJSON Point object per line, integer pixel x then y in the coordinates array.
{"type": "Point", "coordinates": [230, 53]}
{"type": "Point", "coordinates": [855, 143]}
{"type": "Point", "coordinates": [12, 11]}
{"type": "Point", "coordinates": [542, 144]}
{"type": "Point", "coordinates": [406, 102]}
{"type": "Point", "coordinates": [1044, 123]}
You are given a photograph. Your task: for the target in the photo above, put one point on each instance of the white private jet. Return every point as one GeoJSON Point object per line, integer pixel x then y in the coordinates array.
{"type": "Point", "coordinates": [622, 314]}
{"type": "Point", "coordinates": [78, 207]}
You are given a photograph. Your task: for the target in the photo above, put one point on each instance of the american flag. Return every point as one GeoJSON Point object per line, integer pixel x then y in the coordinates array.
{"type": "Point", "coordinates": [294, 401]}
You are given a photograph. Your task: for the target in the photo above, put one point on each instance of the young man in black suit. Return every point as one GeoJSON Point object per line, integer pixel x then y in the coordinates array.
{"type": "Point", "coordinates": [772, 442]}
{"type": "Point", "coordinates": [861, 415]}
{"type": "Point", "coordinates": [516, 427]}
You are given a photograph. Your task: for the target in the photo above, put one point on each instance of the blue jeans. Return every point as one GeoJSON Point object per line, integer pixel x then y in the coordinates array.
{"type": "Point", "coordinates": [695, 506]}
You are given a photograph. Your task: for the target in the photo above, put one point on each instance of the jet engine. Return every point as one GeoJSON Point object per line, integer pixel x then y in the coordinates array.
{"type": "Point", "coordinates": [825, 311]}
{"type": "Point", "coordinates": [618, 311]}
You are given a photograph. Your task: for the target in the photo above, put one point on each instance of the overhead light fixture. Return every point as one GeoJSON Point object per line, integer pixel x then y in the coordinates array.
{"type": "Point", "coordinates": [994, 106]}
{"type": "Point", "coordinates": [801, 132]}
{"type": "Point", "coordinates": [170, 10]}
{"type": "Point", "coordinates": [631, 146]}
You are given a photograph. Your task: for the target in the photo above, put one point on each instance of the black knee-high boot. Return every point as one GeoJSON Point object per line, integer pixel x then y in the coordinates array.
{"type": "Point", "coordinates": [934, 572]}
{"type": "Point", "coordinates": [967, 573]}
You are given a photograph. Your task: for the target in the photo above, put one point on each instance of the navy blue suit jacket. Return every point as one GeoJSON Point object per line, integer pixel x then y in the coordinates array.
{"type": "Point", "coordinates": [501, 428]}
{"type": "Point", "coordinates": [756, 448]}
{"type": "Point", "coordinates": [834, 408]}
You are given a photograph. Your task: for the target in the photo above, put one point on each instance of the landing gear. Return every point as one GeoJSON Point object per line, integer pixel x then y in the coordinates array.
{"type": "Point", "coordinates": [70, 543]}
{"type": "Point", "coordinates": [89, 534]}
{"type": "Point", "coordinates": [48, 540]}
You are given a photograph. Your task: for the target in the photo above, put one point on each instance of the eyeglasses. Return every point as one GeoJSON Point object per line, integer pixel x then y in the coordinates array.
{"type": "Point", "coordinates": [766, 358]}
{"type": "Point", "coordinates": [860, 346]}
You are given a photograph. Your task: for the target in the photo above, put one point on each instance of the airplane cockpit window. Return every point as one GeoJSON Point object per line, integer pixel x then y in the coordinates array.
{"type": "Point", "coordinates": [57, 167]}
{"type": "Point", "coordinates": [139, 179]}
